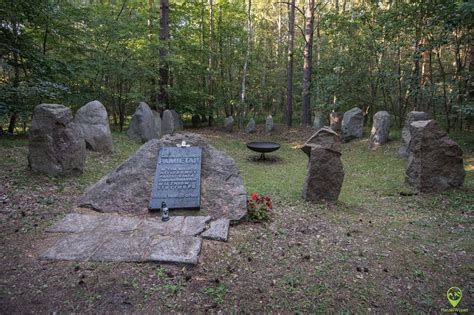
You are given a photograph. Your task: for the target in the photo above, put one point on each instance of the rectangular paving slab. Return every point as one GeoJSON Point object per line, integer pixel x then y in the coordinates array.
{"type": "Point", "coordinates": [79, 246]}
{"type": "Point", "coordinates": [122, 247]}
{"type": "Point", "coordinates": [176, 249]}
{"type": "Point", "coordinates": [218, 231]}
{"type": "Point", "coordinates": [76, 223]}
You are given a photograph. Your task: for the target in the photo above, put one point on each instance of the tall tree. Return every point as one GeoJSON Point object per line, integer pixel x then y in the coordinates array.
{"type": "Point", "coordinates": [164, 37]}
{"type": "Point", "coordinates": [289, 89]}
{"type": "Point", "coordinates": [307, 65]}
{"type": "Point", "coordinates": [246, 62]}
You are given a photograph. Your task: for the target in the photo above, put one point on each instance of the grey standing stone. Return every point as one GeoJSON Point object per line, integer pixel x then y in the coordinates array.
{"type": "Point", "coordinates": [92, 119]}
{"type": "Point", "coordinates": [176, 249]}
{"type": "Point", "coordinates": [435, 161]}
{"type": "Point", "coordinates": [128, 188]}
{"type": "Point", "coordinates": [250, 126]}
{"type": "Point", "coordinates": [196, 121]}
{"type": "Point", "coordinates": [56, 144]}
{"type": "Point", "coordinates": [218, 231]}
{"type": "Point", "coordinates": [228, 124]}
{"type": "Point", "coordinates": [178, 124]}
{"type": "Point", "coordinates": [380, 129]}
{"type": "Point", "coordinates": [325, 171]}
{"type": "Point", "coordinates": [142, 127]}
{"type": "Point", "coordinates": [157, 123]}
{"type": "Point", "coordinates": [167, 124]}
{"type": "Point", "coordinates": [352, 124]}
{"type": "Point", "coordinates": [336, 121]}
{"type": "Point", "coordinates": [406, 135]}
{"type": "Point", "coordinates": [319, 120]}
{"type": "Point", "coordinates": [269, 127]}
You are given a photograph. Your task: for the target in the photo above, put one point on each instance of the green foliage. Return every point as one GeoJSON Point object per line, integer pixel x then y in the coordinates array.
{"type": "Point", "coordinates": [217, 293]}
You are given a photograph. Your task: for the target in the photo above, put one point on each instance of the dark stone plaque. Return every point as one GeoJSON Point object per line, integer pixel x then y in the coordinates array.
{"type": "Point", "coordinates": [177, 178]}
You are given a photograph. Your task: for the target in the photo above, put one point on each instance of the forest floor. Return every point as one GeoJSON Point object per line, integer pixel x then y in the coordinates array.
{"type": "Point", "coordinates": [380, 249]}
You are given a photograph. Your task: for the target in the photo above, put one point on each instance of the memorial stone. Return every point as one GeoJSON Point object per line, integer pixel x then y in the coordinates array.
{"type": "Point", "coordinates": [177, 178]}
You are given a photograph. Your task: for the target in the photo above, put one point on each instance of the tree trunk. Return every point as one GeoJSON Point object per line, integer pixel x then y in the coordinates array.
{"type": "Point", "coordinates": [447, 107]}
{"type": "Point", "coordinates": [244, 72]}
{"type": "Point", "coordinates": [289, 88]}
{"type": "Point", "coordinates": [164, 36]}
{"type": "Point", "coordinates": [307, 65]}
{"type": "Point", "coordinates": [210, 97]}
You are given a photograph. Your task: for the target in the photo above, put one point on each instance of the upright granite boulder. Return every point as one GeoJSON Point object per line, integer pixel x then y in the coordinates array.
{"type": "Point", "coordinates": [142, 127]}
{"type": "Point", "coordinates": [228, 124]}
{"type": "Point", "coordinates": [335, 121]}
{"type": "Point", "coordinates": [352, 124]}
{"type": "Point", "coordinates": [435, 161]}
{"type": "Point", "coordinates": [406, 135]}
{"type": "Point", "coordinates": [319, 120]}
{"type": "Point", "coordinates": [157, 117]}
{"type": "Point", "coordinates": [93, 121]}
{"type": "Point", "coordinates": [56, 144]}
{"type": "Point", "coordinates": [167, 123]}
{"type": "Point", "coordinates": [250, 126]}
{"type": "Point", "coordinates": [178, 124]}
{"type": "Point", "coordinates": [269, 127]}
{"type": "Point", "coordinates": [325, 171]}
{"type": "Point", "coordinates": [128, 188]}
{"type": "Point", "coordinates": [380, 130]}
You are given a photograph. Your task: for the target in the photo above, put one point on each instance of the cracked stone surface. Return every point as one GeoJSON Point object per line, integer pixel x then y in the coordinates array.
{"type": "Point", "coordinates": [218, 231]}
{"type": "Point", "coordinates": [176, 249]}
{"type": "Point", "coordinates": [106, 237]}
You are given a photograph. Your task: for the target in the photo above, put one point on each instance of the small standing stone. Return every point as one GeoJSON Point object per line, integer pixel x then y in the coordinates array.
{"type": "Point", "coordinates": [352, 124]}
{"type": "Point", "coordinates": [157, 123]}
{"type": "Point", "coordinates": [93, 121]}
{"type": "Point", "coordinates": [228, 124]}
{"type": "Point", "coordinates": [435, 161]}
{"type": "Point", "coordinates": [380, 130]}
{"type": "Point", "coordinates": [325, 170]}
{"type": "Point", "coordinates": [142, 127]}
{"type": "Point", "coordinates": [406, 135]}
{"type": "Point", "coordinates": [167, 124]}
{"type": "Point", "coordinates": [196, 121]}
{"type": "Point", "coordinates": [178, 124]}
{"type": "Point", "coordinates": [319, 120]}
{"type": "Point", "coordinates": [269, 127]}
{"type": "Point", "coordinates": [336, 121]}
{"type": "Point", "coordinates": [56, 144]}
{"type": "Point", "coordinates": [250, 126]}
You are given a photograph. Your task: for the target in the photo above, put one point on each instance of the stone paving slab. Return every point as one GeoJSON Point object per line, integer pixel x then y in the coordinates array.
{"type": "Point", "coordinates": [79, 247]}
{"type": "Point", "coordinates": [76, 223]}
{"type": "Point", "coordinates": [154, 226]}
{"type": "Point", "coordinates": [176, 249]}
{"type": "Point", "coordinates": [105, 237]}
{"type": "Point", "coordinates": [122, 247]}
{"type": "Point", "coordinates": [218, 231]}
{"type": "Point", "coordinates": [194, 226]}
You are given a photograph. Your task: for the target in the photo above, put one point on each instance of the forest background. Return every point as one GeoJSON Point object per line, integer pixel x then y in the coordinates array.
{"type": "Point", "coordinates": [291, 59]}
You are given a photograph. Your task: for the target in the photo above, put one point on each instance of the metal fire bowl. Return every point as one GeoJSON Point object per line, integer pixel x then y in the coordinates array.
{"type": "Point", "coordinates": [263, 147]}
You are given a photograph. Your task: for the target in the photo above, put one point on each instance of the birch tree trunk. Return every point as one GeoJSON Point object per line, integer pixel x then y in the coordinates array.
{"type": "Point", "coordinates": [289, 89]}
{"type": "Point", "coordinates": [246, 62]}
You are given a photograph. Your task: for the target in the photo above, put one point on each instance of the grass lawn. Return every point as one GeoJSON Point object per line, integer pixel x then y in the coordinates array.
{"type": "Point", "coordinates": [380, 249]}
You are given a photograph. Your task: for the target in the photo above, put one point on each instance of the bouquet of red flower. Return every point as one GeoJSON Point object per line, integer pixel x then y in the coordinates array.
{"type": "Point", "coordinates": [259, 207]}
